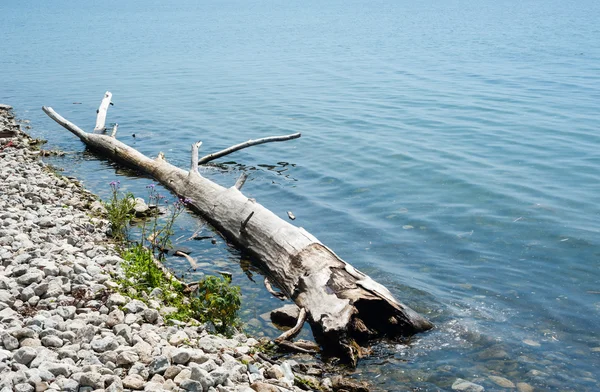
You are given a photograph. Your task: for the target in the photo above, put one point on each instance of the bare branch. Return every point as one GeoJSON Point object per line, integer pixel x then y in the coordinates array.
{"type": "Point", "coordinates": [69, 126]}
{"type": "Point", "coordinates": [290, 333]}
{"type": "Point", "coordinates": [114, 131]}
{"type": "Point", "coordinates": [249, 143]}
{"type": "Point", "coordinates": [190, 260]}
{"type": "Point", "coordinates": [240, 181]}
{"type": "Point", "coordinates": [274, 293]}
{"type": "Point", "coordinates": [102, 110]}
{"type": "Point", "coordinates": [294, 347]}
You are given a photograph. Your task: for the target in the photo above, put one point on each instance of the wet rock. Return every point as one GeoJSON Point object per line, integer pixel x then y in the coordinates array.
{"type": "Point", "coordinates": [501, 381]}
{"type": "Point", "coordinates": [349, 385]}
{"type": "Point", "coordinates": [274, 372]}
{"type": "Point", "coordinates": [466, 386]}
{"type": "Point", "coordinates": [286, 315]}
{"type": "Point", "coordinates": [524, 387]}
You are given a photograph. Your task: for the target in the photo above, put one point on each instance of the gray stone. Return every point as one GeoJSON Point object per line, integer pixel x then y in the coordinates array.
{"type": "Point", "coordinates": [7, 314]}
{"type": "Point", "coordinates": [57, 369]}
{"type": "Point", "coordinates": [105, 344]}
{"type": "Point", "coordinates": [30, 277]}
{"type": "Point", "coordinates": [150, 315]}
{"type": "Point", "coordinates": [219, 376]}
{"type": "Point", "coordinates": [31, 342]}
{"type": "Point", "coordinates": [501, 381]}
{"type": "Point", "coordinates": [184, 374]}
{"type": "Point", "coordinates": [52, 341]}
{"type": "Point", "coordinates": [274, 372]}
{"type": "Point", "coordinates": [202, 376]}
{"type": "Point", "coordinates": [133, 381]}
{"type": "Point", "coordinates": [139, 369]}
{"type": "Point", "coordinates": [66, 312]}
{"type": "Point", "coordinates": [24, 355]}
{"type": "Point", "coordinates": [10, 342]}
{"type": "Point", "coordinates": [172, 372]}
{"type": "Point", "coordinates": [209, 365]}
{"type": "Point", "coordinates": [115, 317]}
{"type": "Point", "coordinates": [181, 355]}
{"type": "Point", "coordinates": [116, 300]}
{"type": "Point", "coordinates": [46, 222]}
{"type": "Point", "coordinates": [158, 365]}
{"type": "Point", "coordinates": [67, 384]}
{"type": "Point", "coordinates": [127, 358]}
{"type": "Point", "coordinates": [192, 386]}
{"type": "Point", "coordinates": [153, 387]}
{"type": "Point", "coordinates": [178, 338]}
{"type": "Point", "coordinates": [144, 350]}
{"type": "Point", "coordinates": [286, 315]}
{"type": "Point", "coordinates": [91, 379]}
{"type": "Point", "coordinates": [24, 387]}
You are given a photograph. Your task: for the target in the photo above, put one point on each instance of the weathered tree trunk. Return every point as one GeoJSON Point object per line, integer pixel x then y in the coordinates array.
{"type": "Point", "coordinates": [344, 307]}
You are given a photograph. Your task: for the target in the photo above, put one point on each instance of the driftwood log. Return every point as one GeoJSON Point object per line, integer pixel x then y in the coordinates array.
{"type": "Point", "coordinates": [344, 307]}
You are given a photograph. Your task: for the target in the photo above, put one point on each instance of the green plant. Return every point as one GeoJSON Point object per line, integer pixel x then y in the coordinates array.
{"type": "Point", "coordinates": [220, 301]}
{"type": "Point", "coordinates": [215, 301]}
{"type": "Point", "coordinates": [119, 209]}
{"type": "Point", "coordinates": [160, 230]}
{"type": "Point", "coordinates": [139, 268]}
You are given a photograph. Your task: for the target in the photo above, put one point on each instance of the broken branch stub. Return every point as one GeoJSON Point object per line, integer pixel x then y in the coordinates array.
{"type": "Point", "coordinates": [102, 111]}
{"type": "Point", "coordinates": [343, 306]}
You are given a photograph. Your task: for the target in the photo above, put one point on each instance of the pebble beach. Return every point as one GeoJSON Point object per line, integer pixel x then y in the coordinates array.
{"type": "Point", "coordinates": [65, 327]}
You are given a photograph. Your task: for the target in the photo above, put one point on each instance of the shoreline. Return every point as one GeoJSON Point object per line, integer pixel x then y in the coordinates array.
{"type": "Point", "coordinates": [63, 326]}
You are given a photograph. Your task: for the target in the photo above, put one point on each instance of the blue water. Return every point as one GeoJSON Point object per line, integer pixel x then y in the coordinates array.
{"type": "Point", "coordinates": [450, 149]}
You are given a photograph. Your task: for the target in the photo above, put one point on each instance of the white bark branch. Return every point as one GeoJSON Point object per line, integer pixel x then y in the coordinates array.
{"type": "Point", "coordinates": [274, 293]}
{"type": "Point", "coordinates": [190, 260]}
{"type": "Point", "coordinates": [194, 160]}
{"type": "Point", "coordinates": [290, 333]}
{"type": "Point", "coordinates": [102, 110]}
{"type": "Point", "coordinates": [249, 143]}
{"type": "Point", "coordinates": [114, 131]}
{"type": "Point", "coordinates": [80, 133]}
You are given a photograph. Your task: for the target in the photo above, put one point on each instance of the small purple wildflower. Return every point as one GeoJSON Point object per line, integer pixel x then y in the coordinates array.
{"type": "Point", "coordinates": [151, 186]}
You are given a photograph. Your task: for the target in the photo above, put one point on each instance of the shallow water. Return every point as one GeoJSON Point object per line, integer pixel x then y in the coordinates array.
{"type": "Point", "coordinates": [449, 150]}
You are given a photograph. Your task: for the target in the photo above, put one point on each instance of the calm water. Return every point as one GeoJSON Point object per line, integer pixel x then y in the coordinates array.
{"type": "Point", "coordinates": [450, 149]}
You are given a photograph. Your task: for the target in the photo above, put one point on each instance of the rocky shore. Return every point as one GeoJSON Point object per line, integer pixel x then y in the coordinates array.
{"type": "Point", "coordinates": [63, 326]}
